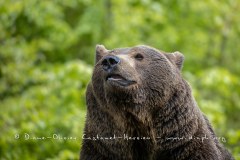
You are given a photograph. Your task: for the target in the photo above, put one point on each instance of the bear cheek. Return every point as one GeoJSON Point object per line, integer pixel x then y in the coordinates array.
{"type": "Point", "coordinates": [98, 79]}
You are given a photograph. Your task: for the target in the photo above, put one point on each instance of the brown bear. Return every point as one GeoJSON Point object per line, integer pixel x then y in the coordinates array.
{"type": "Point", "coordinates": [140, 108]}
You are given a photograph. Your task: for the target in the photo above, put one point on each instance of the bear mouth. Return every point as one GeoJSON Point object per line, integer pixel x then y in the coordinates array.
{"type": "Point", "coordinates": [118, 79]}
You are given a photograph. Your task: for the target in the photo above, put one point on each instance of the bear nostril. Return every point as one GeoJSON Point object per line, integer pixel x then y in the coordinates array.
{"type": "Point", "coordinates": [105, 62]}
{"type": "Point", "coordinates": [113, 61]}
{"type": "Point", "coordinates": [109, 62]}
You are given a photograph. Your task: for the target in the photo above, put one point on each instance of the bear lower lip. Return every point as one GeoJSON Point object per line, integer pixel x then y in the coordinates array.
{"type": "Point", "coordinates": [121, 82]}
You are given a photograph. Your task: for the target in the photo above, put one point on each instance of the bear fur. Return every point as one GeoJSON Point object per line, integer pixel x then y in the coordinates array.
{"type": "Point", "coordinates": [140, 108]}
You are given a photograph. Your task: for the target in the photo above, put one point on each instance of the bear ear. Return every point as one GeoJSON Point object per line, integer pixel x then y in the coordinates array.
{"type": "Point", "coordinates": [100, 52]}
{"type": "Point", "coordinates": [177, 58]}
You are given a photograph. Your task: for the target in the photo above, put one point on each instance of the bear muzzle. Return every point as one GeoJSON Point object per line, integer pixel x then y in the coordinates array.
{"type": "Point", "coordinates": [113, 75]}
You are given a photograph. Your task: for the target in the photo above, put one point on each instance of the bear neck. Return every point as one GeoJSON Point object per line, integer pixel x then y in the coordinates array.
{"type": "Point", "coordinates": [178, 120]}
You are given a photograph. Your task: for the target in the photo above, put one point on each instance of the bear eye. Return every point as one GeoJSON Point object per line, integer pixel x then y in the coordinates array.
{"type": "Point", "coordinates": [139, 57]}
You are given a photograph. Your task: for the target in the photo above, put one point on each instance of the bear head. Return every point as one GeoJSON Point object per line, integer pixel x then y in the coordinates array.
{"type": "Point", "coordinates": [131, 77]}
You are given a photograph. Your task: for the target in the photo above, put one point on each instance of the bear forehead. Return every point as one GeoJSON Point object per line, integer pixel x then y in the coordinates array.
{"type": "Point", "coordinates": [138, 48]}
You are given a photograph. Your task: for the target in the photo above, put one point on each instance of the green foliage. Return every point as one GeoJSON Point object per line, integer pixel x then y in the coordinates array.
{"type": "Point", "coordinates": [46, 48]}
{"type": "Point", "coordinates": [52, 103]}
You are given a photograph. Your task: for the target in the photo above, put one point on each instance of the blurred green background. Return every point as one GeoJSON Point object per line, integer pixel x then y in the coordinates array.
{"type": "Point", "coordinates": [47, 55]}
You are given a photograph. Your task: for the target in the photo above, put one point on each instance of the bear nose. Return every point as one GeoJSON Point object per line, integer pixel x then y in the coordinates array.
{"type": "Point", "coordinates": [109, 62]}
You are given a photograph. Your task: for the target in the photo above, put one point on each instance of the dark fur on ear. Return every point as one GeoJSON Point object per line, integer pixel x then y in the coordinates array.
{"type": "Point", "coordinates": [100, 52]}
{"type": "Point", "coordinates": [176, 58]}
